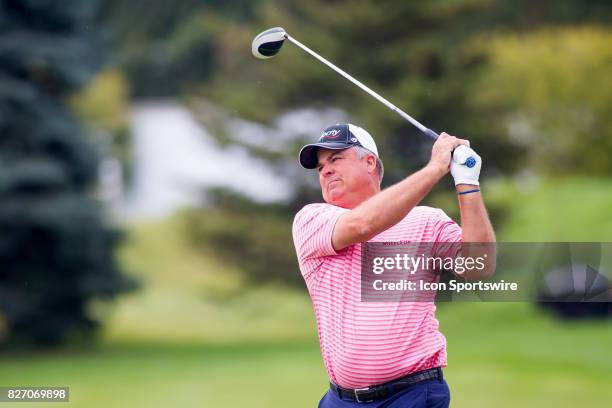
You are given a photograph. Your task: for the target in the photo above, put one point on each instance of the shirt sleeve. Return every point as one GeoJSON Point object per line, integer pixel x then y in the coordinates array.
{"type": "Point", "coordinates": [447, 235]}
{"type": "Point", "coordinates": [312, 234]}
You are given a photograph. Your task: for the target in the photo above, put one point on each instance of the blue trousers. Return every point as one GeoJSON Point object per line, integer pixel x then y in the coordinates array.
{"type": "Point", "coordinates": [426, 394]}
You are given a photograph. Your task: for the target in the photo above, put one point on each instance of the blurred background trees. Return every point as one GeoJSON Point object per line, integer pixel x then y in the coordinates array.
{"type": "Point", "coordinates": [56, 250]}
{"type": "Point", "coordinates": [527, 82]}
{"type": "Point", "coordinates": [434, 59]}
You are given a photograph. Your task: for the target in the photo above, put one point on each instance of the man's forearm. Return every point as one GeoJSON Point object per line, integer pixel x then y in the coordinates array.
{"type": "Point", "coordinates": [477, 229]}
{"type": "Point", "coordinates": [386, 208]}
{"type": "Point", "coordinates": [475, 221]}
{"type": "Point", "coordinates": [391, 205]}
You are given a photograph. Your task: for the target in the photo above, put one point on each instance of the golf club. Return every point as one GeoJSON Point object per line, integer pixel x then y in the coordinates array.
{"type": "Point", "coordinates": [268, 43]}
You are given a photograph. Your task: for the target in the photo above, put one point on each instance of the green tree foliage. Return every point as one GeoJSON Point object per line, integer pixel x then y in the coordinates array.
{"type": "Point", "coordinates": [420, 55]}
{"type": "Point", "coordinates": [554, 86]}
{"type": "Point", "coordinates": [56, 253]}
{"type": "Point", "coordinates": [103, 105]}
{"type": "Point", "coordinates": [174, 45]}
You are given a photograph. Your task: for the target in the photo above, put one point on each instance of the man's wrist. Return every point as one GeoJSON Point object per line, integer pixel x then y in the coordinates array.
{"type": "Point", "coordinates": [437, 170]}
{"type": "Point", "coordinates": [461, 188]}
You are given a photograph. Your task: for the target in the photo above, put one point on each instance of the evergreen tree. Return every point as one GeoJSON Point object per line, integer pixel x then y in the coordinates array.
{"type": "Point", "coordinates": [56, 253]}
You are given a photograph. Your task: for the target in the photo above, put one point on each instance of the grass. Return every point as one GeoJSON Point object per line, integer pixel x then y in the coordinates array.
{"type": "Point", "coordinates": [149, 375]}
{"type": "Point", "coordinates": [196, 336]}
{"type": "Point", "coordinates": [189, 297]}
{"type": "Point", "coordinates": [500, 354]}
{"type": "Point", "coordinates": [511, 354]}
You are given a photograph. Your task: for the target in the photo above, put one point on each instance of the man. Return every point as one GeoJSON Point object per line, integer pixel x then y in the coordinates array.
{"type": "Point", "coordinates": [380, 353]}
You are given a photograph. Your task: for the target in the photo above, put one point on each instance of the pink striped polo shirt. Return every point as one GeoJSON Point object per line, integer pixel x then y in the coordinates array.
{"type": "Point", "coordinates": [368, 343]}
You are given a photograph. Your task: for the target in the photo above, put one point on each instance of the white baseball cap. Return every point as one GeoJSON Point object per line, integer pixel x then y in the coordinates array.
{"type": "Point", "coordinates": [337, 137]}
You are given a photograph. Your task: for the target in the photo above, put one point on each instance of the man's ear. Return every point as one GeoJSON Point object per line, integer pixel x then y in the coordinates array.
{"type": "Point", "coordinates": [371, 160]}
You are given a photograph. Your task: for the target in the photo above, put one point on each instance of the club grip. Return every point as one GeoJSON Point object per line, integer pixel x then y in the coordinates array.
{"type": "Point", "coordinates": [428, 132]}
{"type": "Point", "coordinates": [469, 162]}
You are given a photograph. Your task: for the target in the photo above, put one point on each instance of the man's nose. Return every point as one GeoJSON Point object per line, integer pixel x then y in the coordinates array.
{"type": "Point", "coordinates": [327, 170]}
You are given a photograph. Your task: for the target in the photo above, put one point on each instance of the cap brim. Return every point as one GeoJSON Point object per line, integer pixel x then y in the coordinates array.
{"type": "Point", "coordinates": [308, 154]}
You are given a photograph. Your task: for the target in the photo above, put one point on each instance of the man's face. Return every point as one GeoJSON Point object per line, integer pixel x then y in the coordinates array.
{"type": "Point", "coordinates": [345, 179]}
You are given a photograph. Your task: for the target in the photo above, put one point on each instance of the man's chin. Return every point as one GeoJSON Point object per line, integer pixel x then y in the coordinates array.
{"type": "Point", "coordinates": [337, 200]}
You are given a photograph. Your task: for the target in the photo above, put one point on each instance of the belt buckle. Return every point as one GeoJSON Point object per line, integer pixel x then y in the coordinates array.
{"type": "Point", "coordinates": [356, 391]}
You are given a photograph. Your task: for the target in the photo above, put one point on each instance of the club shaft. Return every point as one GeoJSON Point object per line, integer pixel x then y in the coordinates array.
{"type": "Point", "coordinates": [382, 100]}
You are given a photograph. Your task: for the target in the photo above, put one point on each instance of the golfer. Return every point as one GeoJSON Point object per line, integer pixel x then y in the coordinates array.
{"type": "Point", "coordinates": [379, 354]}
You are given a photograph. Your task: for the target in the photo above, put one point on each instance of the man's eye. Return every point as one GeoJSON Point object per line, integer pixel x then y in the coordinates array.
{"type": "Point", "coordinates": [336, 158]}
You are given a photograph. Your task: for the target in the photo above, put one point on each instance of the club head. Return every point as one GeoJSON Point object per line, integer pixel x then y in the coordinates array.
{"type": "Point", "coordinates": [268, 43]}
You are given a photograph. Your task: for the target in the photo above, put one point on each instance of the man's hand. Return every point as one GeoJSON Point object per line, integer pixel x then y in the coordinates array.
{"type": "Point", "coordinates": [442, 150]}
{"type": "Point", "coordinates": [459, 168]}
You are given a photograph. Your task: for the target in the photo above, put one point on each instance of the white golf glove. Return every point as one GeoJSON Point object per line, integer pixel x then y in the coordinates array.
{"type": "Point", "coordinates": [463, 157]}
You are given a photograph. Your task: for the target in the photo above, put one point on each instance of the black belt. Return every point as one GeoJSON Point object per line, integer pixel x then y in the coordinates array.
{"type": "Point", "coordinates": [376, 392]}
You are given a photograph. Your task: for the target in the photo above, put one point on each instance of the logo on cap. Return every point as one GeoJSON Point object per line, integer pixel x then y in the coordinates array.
{"type": "Point", "coordinates": [331, 134]}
